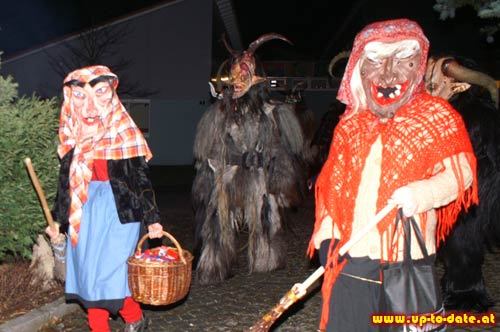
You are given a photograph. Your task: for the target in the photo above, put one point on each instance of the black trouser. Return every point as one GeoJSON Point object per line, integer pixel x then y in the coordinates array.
{"type": "Point", "coordinates": [355, 296]}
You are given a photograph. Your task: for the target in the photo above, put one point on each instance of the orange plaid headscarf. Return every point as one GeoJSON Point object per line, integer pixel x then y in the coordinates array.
{"type": "Point", "coordinates": [117, 138]}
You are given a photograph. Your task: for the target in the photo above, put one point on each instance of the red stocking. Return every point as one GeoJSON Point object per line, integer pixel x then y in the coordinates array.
{"type": "Point", "coordinates": [131, 311]}
{"type": "Point", "coordinates": [98, 320]}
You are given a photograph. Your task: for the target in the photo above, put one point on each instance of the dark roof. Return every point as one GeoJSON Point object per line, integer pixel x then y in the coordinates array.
{"type": "Point", "coordinates": [27, 24]}
{"type": "Point", "coordinates": [319, 29]}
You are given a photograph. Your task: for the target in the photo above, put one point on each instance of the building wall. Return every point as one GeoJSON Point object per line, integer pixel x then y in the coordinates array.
{"type": "Point", "coordinates": [168, 55]}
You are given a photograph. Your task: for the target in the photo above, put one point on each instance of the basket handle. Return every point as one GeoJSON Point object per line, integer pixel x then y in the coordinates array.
{"type": "Point", "coordinates": [177, 245]}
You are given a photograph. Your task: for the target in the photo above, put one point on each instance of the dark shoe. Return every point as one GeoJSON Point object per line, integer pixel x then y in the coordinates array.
{"type": "Point", "coordinates": [139, 326]}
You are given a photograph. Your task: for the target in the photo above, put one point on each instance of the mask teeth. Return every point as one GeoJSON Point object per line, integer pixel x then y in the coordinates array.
{"type": "Point", "coordinates": [389, 92]}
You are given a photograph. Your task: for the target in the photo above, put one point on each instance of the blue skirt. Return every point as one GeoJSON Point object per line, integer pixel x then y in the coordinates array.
{"type": "Point", "coordinates": [96, 269]}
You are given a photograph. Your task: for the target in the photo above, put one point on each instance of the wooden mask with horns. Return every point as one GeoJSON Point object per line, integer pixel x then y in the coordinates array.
{"type": "Point", "coordinates": [242, 74]}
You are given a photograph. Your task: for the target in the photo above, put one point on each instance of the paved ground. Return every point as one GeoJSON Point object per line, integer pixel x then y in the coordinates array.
{"type": "Point", "coordinates": [237, 303]}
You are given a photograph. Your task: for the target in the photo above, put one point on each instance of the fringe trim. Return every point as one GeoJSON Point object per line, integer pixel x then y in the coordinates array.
{"type": "Point", "coordinates": [448, 214]}
{"type": "Point", "coordinates": [331, 274]}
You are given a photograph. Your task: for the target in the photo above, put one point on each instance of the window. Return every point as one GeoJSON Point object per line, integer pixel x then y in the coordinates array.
{"type": "Point", "coordinates": [139, 110]}
{"type": "Point", "coordinates": [276, 83]}
{"type": "Point", "coordinates": [306, 83]}
{"type": "Point", "coordinates": [319, 84]}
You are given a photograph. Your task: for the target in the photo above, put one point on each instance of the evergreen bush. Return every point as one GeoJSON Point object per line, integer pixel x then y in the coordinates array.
{"type": "Point", "coordinates": [28, 128]}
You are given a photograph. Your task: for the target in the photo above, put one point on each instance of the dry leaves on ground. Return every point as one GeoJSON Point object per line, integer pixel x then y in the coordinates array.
{"type": "Point", "coordinates": [18, 295]}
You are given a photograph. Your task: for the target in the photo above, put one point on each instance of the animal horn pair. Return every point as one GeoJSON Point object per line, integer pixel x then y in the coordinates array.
{"type": "Point", "coordinates": [452, 68]}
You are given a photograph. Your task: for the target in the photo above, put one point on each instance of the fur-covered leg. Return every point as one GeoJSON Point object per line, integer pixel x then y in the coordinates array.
{"type": "Point", "coordinates": [463, 258]}
{"type": "Point", "coordinates": [267, 246]}
{"type": "Point", "coordinates": [218, 253]}
{"type": "Point", "coordinates": [215, 234]}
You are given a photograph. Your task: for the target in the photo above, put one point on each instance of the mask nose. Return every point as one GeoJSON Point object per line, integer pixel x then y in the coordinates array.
{"type": "Point", "coordinates": [90, 110]}
{"type": "Point", "coordinates": [388, 75]}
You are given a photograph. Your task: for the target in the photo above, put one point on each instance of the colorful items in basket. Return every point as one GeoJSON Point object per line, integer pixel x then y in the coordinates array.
{"type": "Point", "coordinates": [158, 254]}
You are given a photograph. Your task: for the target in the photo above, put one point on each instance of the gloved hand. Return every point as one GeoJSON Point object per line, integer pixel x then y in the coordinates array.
{"type": "Point", "coordinates": [155, 231]}
{"type": "Point", "coordinates": [52, 233]}
{"type": "Point", "coordinates": [404, 198]}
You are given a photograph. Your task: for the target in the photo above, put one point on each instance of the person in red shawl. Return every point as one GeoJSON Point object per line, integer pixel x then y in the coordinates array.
{"type": "Point", "coordinates": [104, 195]}
{"type": "Point", "coordinates": [394, 143]}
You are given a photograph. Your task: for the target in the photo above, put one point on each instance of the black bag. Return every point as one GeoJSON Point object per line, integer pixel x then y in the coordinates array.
{"type": "Point", "coordinates": [411, 286]}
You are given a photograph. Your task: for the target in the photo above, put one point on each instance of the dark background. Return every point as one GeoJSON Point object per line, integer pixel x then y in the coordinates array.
{"type": "Point", "coordinates": [319, 29]}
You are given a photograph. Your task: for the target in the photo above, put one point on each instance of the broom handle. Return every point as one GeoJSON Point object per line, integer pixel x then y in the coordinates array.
{"type": "Point", "coordinates": [349, 244]}
{"type": "Point", "coordinates": [299, 290]}
{"type": "Point", "coordinates": [39, 191]}
{"type": "Point", "coordinates": [312, 278]}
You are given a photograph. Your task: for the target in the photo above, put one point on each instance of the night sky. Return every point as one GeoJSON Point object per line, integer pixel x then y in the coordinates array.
{"type": "Point", "coordinates": [319, 28]}
{"type": "Point", "coordinates": [325, 27]}
{"type": "Point", "coordinates": [26, 24]}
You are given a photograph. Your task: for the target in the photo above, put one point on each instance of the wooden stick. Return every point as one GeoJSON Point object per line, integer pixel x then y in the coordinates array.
{"type": "Point", "coordinates": [299, 290]}
{"type": "Point", "coordinates": [347, 246]}
{"type": "Point", "coordinates": [367, 228]}
{"type": "Point", "coordinates": [41, 195]}
{"type": "Point", "coordinates": [310, 280]}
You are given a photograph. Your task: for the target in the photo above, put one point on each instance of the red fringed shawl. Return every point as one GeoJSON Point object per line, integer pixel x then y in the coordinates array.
{"type": "Point", "coordinates": [423, 133]}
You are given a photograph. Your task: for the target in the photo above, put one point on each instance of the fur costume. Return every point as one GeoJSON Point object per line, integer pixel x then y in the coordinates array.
{"type": "Point", "coordinates": [478, 229]}
{"type": "Point", "coordinates": [323, 135]}
{"type": "Point", "coordinates": [246, 153]}
{"type": "Point", "coordinates": [307, 122]}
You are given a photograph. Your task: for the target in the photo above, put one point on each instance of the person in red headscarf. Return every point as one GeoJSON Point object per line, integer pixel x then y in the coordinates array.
{"type": "Point", "coordinates": [394, 143]}
{"type": "Point", "coordinates": [104, 195]}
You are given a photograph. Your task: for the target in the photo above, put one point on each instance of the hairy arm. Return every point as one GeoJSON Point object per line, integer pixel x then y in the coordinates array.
{"type": "Point", "coordinates": [207, 132]}
{"type": "Point", "coordinates": [290, 130]}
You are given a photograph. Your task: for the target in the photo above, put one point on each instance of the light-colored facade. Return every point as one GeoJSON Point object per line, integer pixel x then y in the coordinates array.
{"type": "Point", "coordinates": [167, 51]}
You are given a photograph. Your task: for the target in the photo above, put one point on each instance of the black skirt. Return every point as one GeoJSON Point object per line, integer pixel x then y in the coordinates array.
{"type": "Point", "coordinates": [355, 296]}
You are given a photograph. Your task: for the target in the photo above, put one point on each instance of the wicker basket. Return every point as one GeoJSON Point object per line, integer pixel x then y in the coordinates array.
{"type": "Point", "coordinates": [160, 283]}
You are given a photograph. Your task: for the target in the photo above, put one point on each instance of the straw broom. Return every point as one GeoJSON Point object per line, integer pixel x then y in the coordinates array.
{"type": "Point", "coordinates": [58, 244]}
{"type": "Point", "coordinates": [299, 290]}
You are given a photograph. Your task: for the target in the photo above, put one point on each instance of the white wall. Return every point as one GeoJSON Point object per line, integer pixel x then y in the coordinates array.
{"type": "Point", "coordinates": [169, 52]}
{"type": "Point", "coordinates": [175, 123]}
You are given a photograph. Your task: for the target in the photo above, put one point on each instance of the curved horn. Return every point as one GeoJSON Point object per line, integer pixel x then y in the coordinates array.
{"type": "Point", "coordinates": [264, 38]}
{"type": "Point", "coordinates": [335, 59]}
{"type": "Point", "coordinates": [214, 93]}
{"type": "Point", "coordinates": [231, 50]}
{"type": "Point", "coordinates": [452, 68]}
{"type": "Point", "coordinates": [219, 72]}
